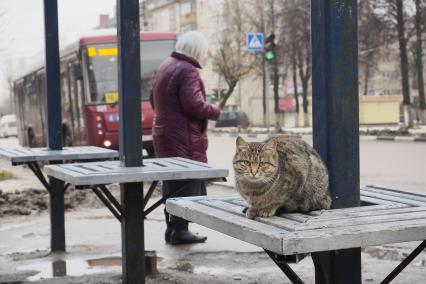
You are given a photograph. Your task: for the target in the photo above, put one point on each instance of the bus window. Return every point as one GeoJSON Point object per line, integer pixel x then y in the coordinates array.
{"type": "Point", "coordinates": [100, 61]}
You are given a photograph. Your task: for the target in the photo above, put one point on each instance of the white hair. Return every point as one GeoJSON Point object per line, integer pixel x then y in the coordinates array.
{"type": "Point", "coordinates": [193, 44]}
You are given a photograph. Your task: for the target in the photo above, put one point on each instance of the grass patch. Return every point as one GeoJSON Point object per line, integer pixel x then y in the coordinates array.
{"type": "Point", "coordinates": [6, 175]}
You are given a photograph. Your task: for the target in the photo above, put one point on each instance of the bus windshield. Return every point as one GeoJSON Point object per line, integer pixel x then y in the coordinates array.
{"type": "Point", "coordinates": [101, 69]}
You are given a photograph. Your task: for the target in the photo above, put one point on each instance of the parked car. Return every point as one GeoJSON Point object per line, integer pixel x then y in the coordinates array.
{"type": "Point", "coordinates": [8, 126]}
{"type": "Point", "coordinates": [233, 118]}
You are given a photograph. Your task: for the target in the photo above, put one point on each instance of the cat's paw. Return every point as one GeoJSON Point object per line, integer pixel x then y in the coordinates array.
{"type": "Point", "coordinates": [250, 213]}
{"type": "Point", "coordinates": [266, 212]}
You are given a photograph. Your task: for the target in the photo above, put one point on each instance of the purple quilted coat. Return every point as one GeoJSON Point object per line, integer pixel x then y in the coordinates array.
{"type": "Point", "coordinates": [181, 112]}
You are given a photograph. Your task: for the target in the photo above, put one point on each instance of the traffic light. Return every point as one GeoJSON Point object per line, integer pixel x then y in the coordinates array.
{"type": "Point", "coordinates": [270, 46]}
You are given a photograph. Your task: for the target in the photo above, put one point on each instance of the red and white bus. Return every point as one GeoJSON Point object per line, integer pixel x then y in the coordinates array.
{"type": "Point", "coordinates": [89, 92]}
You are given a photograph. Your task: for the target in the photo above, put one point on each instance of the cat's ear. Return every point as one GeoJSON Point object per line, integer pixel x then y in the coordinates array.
{"type": "Point", "coordinates": [241, 144]}
{"type": "Point", "coordinates": [271, 145]}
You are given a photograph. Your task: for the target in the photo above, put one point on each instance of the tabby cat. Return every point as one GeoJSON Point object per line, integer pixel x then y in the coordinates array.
{"type": "Point", "coordinates": [282, 174]}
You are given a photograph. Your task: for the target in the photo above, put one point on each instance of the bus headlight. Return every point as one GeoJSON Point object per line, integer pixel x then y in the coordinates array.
{"type": "Point", "coordinates": [107, 143]}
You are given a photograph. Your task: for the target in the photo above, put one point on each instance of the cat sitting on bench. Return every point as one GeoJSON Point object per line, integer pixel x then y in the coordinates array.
{"type": "Point", "coordinates": [281, 174]}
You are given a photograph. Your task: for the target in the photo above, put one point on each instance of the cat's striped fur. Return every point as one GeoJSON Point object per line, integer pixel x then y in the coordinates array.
{"type": "Point", "coordinates": [284, 172]}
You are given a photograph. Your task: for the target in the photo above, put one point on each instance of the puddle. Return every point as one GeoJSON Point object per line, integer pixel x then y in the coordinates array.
{"type": "Point", "coordinates": [73, 267]}
{"type": "Point", "coordinates": [231, 270]}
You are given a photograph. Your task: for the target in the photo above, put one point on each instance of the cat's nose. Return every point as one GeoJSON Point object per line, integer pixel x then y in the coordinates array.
{"type": "Point", "coordinates": [254, 169]}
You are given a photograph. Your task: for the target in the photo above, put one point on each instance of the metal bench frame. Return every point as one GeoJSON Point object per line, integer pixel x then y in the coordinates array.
{"type": "Point", "coordinates": [33, 157]}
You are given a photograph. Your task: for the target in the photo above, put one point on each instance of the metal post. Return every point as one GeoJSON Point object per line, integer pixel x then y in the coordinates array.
{"type": "Point", "coordinates": [336, 121]}
{"type": "Point", "coordinates": [54, 121]}
{"type": "Point", "coordinates": [129, 79]}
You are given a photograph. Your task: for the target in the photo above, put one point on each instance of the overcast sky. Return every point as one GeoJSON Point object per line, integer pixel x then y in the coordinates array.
{"type": "Point", "coordinates": [22, 30]}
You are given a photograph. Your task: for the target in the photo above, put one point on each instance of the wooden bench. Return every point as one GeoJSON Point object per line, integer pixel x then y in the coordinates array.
{"type": "Point", "coordinates": [387, 216]}
{"type": "Point", "coordinates": [35, 157]}
{"type": "Point", "coordinates": [95, 175]}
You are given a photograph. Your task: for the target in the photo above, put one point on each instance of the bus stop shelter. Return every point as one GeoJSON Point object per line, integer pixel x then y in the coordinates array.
{"type": "Point", "coordinates": [335, 121]}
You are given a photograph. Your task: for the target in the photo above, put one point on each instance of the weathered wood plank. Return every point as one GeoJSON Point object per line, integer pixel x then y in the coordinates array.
{"type": "Point", "coordinates": [279, 222]}
{"type": "Point", "coordinates": [393, 198]}
{"type": "Point", "coordinates": [262, 235]}
{"type": "Point", "coordinates": [298, 217]}
{"type": "Point", "coordinates": [24, 155]}
{"type": "Point", "coordinates": [405, 195]}
{"type": "Point", "coordinates": [378, 201]}
{"type": "Point", "coordinates": [86, 174]}
{"type": "Point", "coordinates": [341, 214]}
{"type": "Point", "coordinates": [395, 190]}
{"type": "Point", "coordinates": [355, 236]}
{"type": "Point", "coordinates": [348, 222]}
{"type": "Point", "coordinates": [343, 211]}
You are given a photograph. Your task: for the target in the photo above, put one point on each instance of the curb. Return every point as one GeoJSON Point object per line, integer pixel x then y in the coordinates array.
{"type": "Point", "coordinates": [401, 138]}
{"type": "Point", "coordinates": [362, 137]}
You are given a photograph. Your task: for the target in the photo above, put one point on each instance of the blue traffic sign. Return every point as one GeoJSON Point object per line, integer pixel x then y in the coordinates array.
{"type": "Point", "coordinates": [254, 41]}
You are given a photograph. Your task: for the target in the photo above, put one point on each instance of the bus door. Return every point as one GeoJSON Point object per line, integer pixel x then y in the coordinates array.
{"type": "Point", "coordinates": [79, 95]}
{"type": "Point", "coordinates": [32, 112]}
{"type": "Point", "coordinates": [19, 108]}
{"type": "Point", "coordinates": [67, 127]}
{"type": "Point", "coordinates": [76, 107]}
{"type": "Point", "coordinates": [42, 107]}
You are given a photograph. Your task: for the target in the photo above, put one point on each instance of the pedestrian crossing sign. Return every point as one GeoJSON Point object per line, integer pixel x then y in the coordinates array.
{"type": "Point", "coordinates": [254, 41]}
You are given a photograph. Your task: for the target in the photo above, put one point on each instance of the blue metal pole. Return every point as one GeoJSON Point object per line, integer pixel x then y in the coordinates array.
{"type": "Point", "coordinates": [54, 122]}
{"type": "Point", "coordinates": [336, 120]}
{"type": "Point", "coordinates": [129, 79]}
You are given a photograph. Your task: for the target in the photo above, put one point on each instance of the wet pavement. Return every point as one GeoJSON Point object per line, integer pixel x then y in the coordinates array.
{"type": "Point", "coordinates": [93, 235]}
{"type": "Point", "coordinates": [93, 254]}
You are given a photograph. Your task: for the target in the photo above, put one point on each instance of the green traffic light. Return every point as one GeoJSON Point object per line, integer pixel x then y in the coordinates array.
{"type": "Point", "coordinates": [270, 55]}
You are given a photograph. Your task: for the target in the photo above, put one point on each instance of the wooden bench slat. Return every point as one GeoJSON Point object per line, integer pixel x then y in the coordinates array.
{"type": "Point", "coordinates": [25, 155]}
{"type": "Point", "coordinates": [338, 214]}
{"type": "Point", "coordinates": [393, 198]}
{"type": "Point", "coordinates": [395, 190]}
{"type": "Point", "coordinates": [354, 236]}
{"type": "Point", "coordinates": [379, 201]}
{"type": "Point", "coordinates": [262, 235]}
{"type": "Point", "coordinates": [348, 222]}
{"type": "Point", "coordinates": [342, 211]}
{"type": "Point", "coordinates": [280, 222]}
{"type": "Point", "coordinates": [191, 162]}
{"type": "Point", "coordinates": [395, 194]}
{"type": "Point", "coordinates": [106, 172]}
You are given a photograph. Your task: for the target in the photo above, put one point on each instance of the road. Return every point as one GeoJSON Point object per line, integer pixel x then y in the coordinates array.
{"type": "Point", "coordinates": [391, 163]}
{"type": "Point", "coordinates": [394, 164]}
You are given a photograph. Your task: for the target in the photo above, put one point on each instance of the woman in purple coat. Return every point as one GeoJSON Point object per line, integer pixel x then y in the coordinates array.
{"type": "Point", "coordinates": [180, 123]}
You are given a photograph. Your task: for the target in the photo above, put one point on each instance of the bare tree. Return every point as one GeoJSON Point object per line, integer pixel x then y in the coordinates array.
{"type": "Point", "coordinates": [395, 14]}
{"type": "Point", "coordinates": [297, 34]}
{"type": "Point", "coordinates": [7, 75]}
{"type": "Point", "coordinates": [232, 61]}
{"type": "Point", "coordinates": [372, 38]}
{"type": "Point", "coordinates": [419, 23]}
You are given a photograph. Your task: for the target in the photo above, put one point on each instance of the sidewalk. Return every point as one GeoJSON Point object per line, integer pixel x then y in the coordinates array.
{"type": "Point", "coordinates": [93, 254]}
{"type": "Point", "coordinates": [384, 132]}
